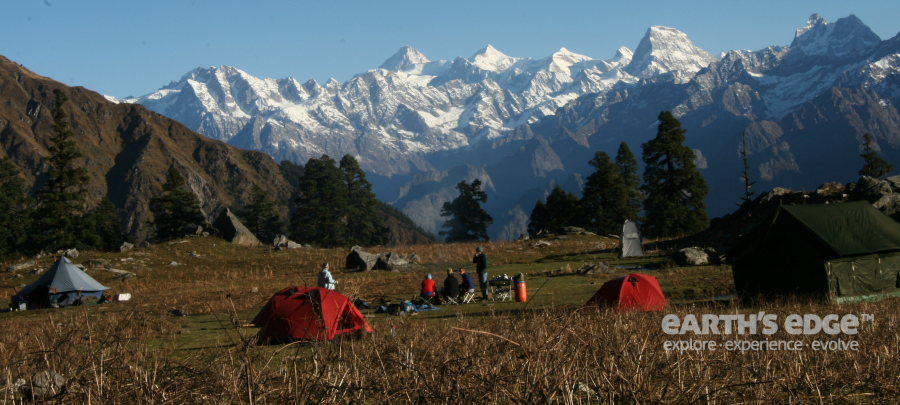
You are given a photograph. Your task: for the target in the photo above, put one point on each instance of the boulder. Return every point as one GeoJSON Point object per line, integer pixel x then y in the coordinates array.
{"type": "Point", "coordinates": [573, 230]}
{"type": "Point", "coordinates": [357, 259]}
{"type": "Point", "coordinates": [20, 266]}
{"type": "Point", "coordinates": [234, 231]}
{"type": "Point", "coordinates": [71, 253]}
{"type": "Point", "coordinates": [774, 194]}
{"type": "Point", "coordinates": [894, 181]}
{"type": "Point", "coordinates": [414, 258]}
{"type": "Point", "coordinates": [390, 261]}
{"type": "Point", "coordinates": [691, 256]}
{"type": "Point", "coordinates": [540, 244]}
{"type": "Point", "coordinates": [284, 242]}
{"type": "Point", "coordinates": [830, 189]}
{"type": "Point", "coordinates": [598, 268]}
{"type": "Point", "coordinates": [126, 247]}
{"type": "Point", "coordinates": [45, 384]}
{"type": "Point", "coordinates": [870, 189]}
{"type": "Point", "coordinates": [145, 244]}
{"type": "Point", "coordinates": [98, 263]}
{"type": "Point", "coordinates": [888, 204]}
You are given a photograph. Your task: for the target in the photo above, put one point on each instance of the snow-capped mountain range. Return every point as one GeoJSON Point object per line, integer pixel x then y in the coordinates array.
{"type": "Point", "coordinates": [536, 122]}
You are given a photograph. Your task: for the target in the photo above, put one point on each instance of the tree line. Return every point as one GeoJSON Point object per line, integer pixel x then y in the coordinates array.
{"type": "Point", "coordinates": [331, 204]}
{"type": "Point", "coordinates": [668, 203]}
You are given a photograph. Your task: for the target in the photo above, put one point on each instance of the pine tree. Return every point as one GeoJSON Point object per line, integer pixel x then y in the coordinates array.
{"type": "Point", "coordinates": [560, 211]}
{"type": "Point", "coordinates": [176, 208]}
{"type": "Point", "coordinates": [631, 185]}
{"type": "Point", "coordinates": [59, 219]}
{"type": "Point", "coordinates": [364, 225]}
{"type": "Point", "coordinates": [748, 195]}
{"type": "Point", "coordinates": [321, 207]}
{"type": "Point", "coordinates": [106, 227]}
{"type": "Point", "coordinates": [604, 196]}
{"type": "Point", "coordinates": [261, 216]}
{"type": "Point", "coordinates": [874, 165]}
{"type": "Point", "coordinates": [675, 189]}
{"type": "Point", "coordinates": [468, 221]}
{"type": "Point", "coordinates": [539, 220]}
{"type": "Point", "coordinates": [15, 210]}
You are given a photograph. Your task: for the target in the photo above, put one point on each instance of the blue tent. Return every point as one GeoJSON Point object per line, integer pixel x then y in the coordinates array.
{"type": "Point", "coordinates": [62, 285]}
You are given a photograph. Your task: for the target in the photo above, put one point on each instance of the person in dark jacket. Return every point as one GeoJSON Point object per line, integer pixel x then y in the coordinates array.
{"type": "Point", "coordinates": [467, 286]}
{"type": "Point", "coordinates": [451, 286]}
{"type": "Point", "coordinates": [481, 264]}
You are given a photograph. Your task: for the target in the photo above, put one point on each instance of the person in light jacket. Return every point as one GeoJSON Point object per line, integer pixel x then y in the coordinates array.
{"type": "Point", "coordinates": [325, 279]}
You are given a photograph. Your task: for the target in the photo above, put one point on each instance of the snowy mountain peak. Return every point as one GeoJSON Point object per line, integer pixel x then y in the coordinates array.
{"type": "Point", "coordinates": [846, 35]}
{"type": "Point", "coordinates": [407, 56]}
{"type": "Point", "coordinates": [623, 56]}
{"type": "Point", "coordinates": [563, 59]}
{"type": "Point", "coordinates": [664, 50]}
{"type": "Point", "coordinates": [493, 60]}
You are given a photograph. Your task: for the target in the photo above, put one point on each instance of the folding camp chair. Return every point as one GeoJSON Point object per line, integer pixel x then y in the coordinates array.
{"type": "Point", "coordinates": [468, 297]}
{"type": "Point", "coordinates": [451, 300]}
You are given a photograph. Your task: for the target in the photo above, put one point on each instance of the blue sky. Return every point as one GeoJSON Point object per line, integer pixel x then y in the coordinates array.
{"type": "Point", "coordinates": [128, 47]}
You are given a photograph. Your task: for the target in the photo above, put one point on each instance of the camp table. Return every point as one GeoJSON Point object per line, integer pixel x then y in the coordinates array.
{"type": "Point", "coordinates": [501, 290]}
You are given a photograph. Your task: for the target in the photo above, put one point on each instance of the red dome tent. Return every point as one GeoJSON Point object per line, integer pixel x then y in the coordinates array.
{"type": "Point", "coordinates": [308, 313]}
{"type": "Point", "coordinates": [631, 292]}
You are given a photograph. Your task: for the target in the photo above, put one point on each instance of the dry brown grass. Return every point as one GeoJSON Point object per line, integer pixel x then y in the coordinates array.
{"type": "Point", "coordinates": [133, 353]}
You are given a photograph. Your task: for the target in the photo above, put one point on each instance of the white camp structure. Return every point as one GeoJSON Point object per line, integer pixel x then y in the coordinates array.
{"type": "Point", "coordinates": [630, 240]}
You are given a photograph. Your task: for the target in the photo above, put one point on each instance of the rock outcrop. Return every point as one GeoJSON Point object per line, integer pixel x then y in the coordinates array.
{"type": "Point", "coordinates": [233, 230]}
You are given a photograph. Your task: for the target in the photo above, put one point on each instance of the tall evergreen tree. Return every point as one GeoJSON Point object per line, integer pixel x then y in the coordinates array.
{"type": "Point", "coordinates": [603, 196]}
{"type": "Point", "coordinates": [106, 228]}
{"type": "Point", "coordinates": [539, 219]}
{"type": "Point", "coordinates": [468, 221]}
{"type": "Point", "coordinates": [59, 218]}
{"type": "Point", "coordinates": [261, 216]}
{"type": "Point", "coordinates": [748, 195]}
{"type": "Point", "coordinates": [176, 208]}
{"type": "Point", "coordinates": [321, 207]}
{"type": "Point", "coordinates": [364, 225]}
{"type": "Point", "coordinates": [631, 184]}
{"type": "Point", "coordinates": [874, 165]}
{"type": "Point", "coordinates": [560, 211]}
{"type": "Point", "coordinates": [675, 189]}
{"type": "Point", "coordinates": [15, 210]}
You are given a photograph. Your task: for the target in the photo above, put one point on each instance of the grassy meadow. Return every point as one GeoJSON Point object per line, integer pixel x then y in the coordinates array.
{"type": "Point", "coordinates": [548, 350]}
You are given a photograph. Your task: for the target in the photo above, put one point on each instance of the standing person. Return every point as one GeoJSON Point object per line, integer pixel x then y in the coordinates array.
{"type": "Point", "coordinates": [481, 264]}
{"type": "Point", "coordinates": [428, 287]}
{"type": "Point", "coordinates": [325, 279]}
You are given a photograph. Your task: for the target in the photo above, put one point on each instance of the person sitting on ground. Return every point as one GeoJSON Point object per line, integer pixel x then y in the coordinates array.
{"type": "Point", "coordinates": [451, 286]}
{"type": "Point", "coordinates": [427, 287]}
{"type": "Point", "coordinates": [325, 279]}
{"type": "Point", "coordinates": [468, 285]}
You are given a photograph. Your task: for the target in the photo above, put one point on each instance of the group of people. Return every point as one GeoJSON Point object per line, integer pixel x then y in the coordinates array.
{"type": "Point", "coordinates": [452, 287]}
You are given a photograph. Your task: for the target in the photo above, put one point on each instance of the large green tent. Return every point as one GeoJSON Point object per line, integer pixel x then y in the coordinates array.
{"type": "Point", "coordinates": [844, 251]}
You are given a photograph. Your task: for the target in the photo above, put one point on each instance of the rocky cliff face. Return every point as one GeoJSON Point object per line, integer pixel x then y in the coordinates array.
{"type": "Point", "coordinates": [127, 149]}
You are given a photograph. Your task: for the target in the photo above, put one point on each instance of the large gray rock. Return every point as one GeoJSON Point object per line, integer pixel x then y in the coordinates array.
{"type": "Point", "coordinates": [283, 242]}
{"type": "Point", "coordinates": [357, 259]}
{"type": "Point", "coordinates": [45, 384]}
{"type": "Point", "coordinates": [691, 256]}
{"type": "Point", "coordinates": [888, 204]}
{"type": "Point", "coordinates": [126, 247]}
{"type": "Point", "coordinates": [20, 266]}
{"type": "Point", "coordinates": [390, 261]}
{"type": "Point", "coordinates": [233, 230]}
{"type": "Point", "coordinates": [870, 189]}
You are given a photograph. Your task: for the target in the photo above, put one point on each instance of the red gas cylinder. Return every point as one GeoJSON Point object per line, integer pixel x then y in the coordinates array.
{"type": "Point", "coordinates": [521, 293]}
